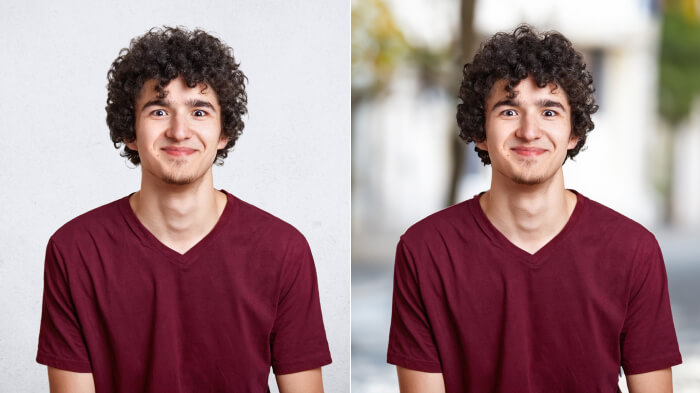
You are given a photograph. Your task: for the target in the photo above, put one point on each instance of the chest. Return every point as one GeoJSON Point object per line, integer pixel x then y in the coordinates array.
{"type": "Point", "coordinates": [141, 289]}
{"type": "Point", "coordinates": [485, 288]}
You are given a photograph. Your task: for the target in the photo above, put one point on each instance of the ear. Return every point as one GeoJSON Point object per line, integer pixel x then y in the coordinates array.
{"type": "Point", "coordinates": [481, 145]}
{"type": "Point", "coordinates": [132, 145]}
{"type": "Point", "coordinates": [573, 141]}
{"type": "Point", "coordinates": [223, 140]}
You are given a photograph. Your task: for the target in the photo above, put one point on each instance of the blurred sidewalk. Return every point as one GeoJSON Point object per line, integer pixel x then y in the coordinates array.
{"type": "Point", "coordinates": [371, 311]}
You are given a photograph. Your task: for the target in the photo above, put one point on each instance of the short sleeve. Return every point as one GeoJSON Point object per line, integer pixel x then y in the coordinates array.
{"type": "Point", "coordinates": [648, 339]}
{"type": "Point", "coordinates": [61, 342]}
{"type": "Point", "coordinates": [411, 341]}
{"type": "Point", "coordinates": [298, 339]}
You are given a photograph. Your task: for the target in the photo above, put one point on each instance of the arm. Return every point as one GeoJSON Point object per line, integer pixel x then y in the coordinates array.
{"type": "Point", "coordinates": [61, 381]}
{"type": "Point", "coordinates": [412, 381]}
{"type": "Point", "coordinates": [658, 381]}
{"type": "Point", "coordinates": [308, 381]}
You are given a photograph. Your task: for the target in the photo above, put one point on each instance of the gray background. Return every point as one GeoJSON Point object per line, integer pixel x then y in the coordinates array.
{"type": "Point", "coordinates": [57, 160]}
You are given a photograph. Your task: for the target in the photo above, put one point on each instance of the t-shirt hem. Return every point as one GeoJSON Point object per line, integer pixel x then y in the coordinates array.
{"type": "Point", "coordinates": [413, 364]}
{"type": "Point", "coordinates": [297, 366]}
{"type": "Point", "coordinates": [64, 364]}
{"type": "Point", "coordinates": [653, 365]}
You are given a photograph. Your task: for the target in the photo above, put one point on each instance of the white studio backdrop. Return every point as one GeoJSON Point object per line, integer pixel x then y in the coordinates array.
{"type": "Point", "coordinates": [57, 161]}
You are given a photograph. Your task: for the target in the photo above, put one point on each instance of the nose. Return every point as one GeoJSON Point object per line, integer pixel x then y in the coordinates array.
{"type": "Point", "coordinates": [529, 127]}
{"type": "Point", "coordinates": [178, 128]}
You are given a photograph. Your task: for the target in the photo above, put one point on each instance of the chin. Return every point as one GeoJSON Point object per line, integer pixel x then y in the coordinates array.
{"type": "Point", "coordinates": [528, 180]}
{"type": "Point", "coordinates": [528, 177]}
{"type": "Point", "coordinates": [178, 180]}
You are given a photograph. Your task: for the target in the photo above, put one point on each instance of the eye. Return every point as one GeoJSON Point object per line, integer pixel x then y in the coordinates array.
{"type": "Point", "coordinates": [509, 112]}
{"type": "Point", "coordinates": [199, 113]}
{"type": "Point", "coordinates": [549, 113]}
{"type": "Point", "coordinates": [159, 112]}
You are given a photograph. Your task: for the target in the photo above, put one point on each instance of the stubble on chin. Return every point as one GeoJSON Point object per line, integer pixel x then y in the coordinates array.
{"type": "Point", "coordinates": [177, 181]}
{"type": "Point", "coordinates": [526, 177]}
{"type": "Point", "coordinates": [527, 181]}
{"type": "Point", "coordinates": [175, 178]}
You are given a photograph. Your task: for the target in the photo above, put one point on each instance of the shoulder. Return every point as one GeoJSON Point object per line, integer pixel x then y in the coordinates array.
{"type": "Point", "coordinates": [261, 226]}
{"type": "Point", "coordinates": [606, 222]}
{"type": "Point", "coordinates": [616, 238]}
{"type": "Point", "coordinates": [101, 220]}
{"type": "Point", "coordinates": [272, 242]}
{"type": "Point", "coordinates": [451, 220]}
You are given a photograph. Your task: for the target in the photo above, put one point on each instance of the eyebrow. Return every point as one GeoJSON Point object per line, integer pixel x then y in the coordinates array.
{"type": "Point", "coordinates": [192, 103]}
{"type": "Point", "coordinates": [543, 103]}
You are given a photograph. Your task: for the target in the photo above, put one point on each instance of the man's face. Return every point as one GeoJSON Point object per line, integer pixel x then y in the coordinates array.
{"type": "Point", "coordinates": [177, 136]}
{"type": "Point", "coordinates": [527, 136]}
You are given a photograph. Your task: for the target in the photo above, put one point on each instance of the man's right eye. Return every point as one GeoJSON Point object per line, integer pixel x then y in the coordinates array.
{"type": "Point", "coordinates": [158, 112]}
{"type": "Point", "coordinates": [508, 112]}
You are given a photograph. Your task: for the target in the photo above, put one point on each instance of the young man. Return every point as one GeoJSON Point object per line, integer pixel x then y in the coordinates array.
{"type": "Point", "coordinates": [529, 287]}
{"type": "Point", "coordinates": [179, 287]}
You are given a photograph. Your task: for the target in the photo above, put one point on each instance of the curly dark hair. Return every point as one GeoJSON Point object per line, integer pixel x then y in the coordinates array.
{"type": "Point", "coordinates": [546, 57]}
{"type": "Point", "coordinates": [164, 54]}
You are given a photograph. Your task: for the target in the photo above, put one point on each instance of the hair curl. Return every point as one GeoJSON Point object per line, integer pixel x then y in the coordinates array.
{"type": "Point", "coordinates": [547, 58]}
{"type": "Point", "coordinates": [164, 54]}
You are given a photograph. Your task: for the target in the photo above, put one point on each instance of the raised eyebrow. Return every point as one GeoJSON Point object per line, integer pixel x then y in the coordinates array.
{"type": "Point", "coordinates": [505, 102]}
{"type": "Point", "coordinates": [201, 104]}
{"type": "Point", "coordinates": [156, 102]}
{"type": "Point", "coordinates": [551, 104]}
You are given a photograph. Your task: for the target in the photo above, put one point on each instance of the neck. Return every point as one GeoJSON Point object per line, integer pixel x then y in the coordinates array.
{"type": "Point", "coordinates": [178, 215]}
{"type": "Point", "coordinates": [528, 215]}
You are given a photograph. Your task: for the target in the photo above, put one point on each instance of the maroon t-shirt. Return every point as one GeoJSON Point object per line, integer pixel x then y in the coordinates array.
{"type": "Point", "coordinates": [494, 318]}
{"type": "Point", "coordinates": [143, 318]}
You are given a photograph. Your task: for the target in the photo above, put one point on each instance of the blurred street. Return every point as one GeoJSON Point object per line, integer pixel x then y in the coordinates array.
{"type": "Point", "coordinates": [371, 312]}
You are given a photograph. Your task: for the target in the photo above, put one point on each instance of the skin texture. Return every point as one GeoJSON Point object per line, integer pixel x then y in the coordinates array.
{"type": "Point", "coordinates": [527, 135]}
{"type": "Point", "coordinates": [412, 381]}
{"type": "Point", "coordinates": [177, 138]}
{"type": "Point", "coordinates": [186, 118]}
{"type": "Point", "coordinates": [658, 381]}
{"type": "Point", "coordinates": [527, 138]}
{"type": "Point", "coordinates": [309, 381]}
{"type": "Point", "coordinates": [61, 381]}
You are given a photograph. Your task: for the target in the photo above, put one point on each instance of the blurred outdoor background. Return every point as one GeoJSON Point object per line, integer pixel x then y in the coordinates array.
{"type": "Point", "coordinates": [642, 159]}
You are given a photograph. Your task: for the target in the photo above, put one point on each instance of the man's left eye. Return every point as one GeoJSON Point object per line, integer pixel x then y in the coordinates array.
{"type": "Point", "coordinates": [549, 113]}
{"type": "Point", "coordinates": [199, 113]}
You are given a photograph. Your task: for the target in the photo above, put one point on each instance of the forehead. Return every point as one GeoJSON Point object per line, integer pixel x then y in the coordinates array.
{"type": "Point", "coordinates": [176, 87]}
{"type": "Point", "coordinates": [524, 90]}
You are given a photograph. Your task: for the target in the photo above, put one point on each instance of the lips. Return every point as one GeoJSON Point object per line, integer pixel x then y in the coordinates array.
{"type": "Point", "coordinates": [178, 151]}
{"type": "Point", "coordinates": [528, 151]}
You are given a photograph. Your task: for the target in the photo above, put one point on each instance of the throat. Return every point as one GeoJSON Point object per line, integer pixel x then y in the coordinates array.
{"type": "Point", "coordinates": [179, 223]}
{"type": "Point", "coordinates": [529, 224]}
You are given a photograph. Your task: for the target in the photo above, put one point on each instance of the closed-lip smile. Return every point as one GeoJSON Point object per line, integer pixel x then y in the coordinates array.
{"type": "Point", "coordinates": [528, 151]}
{"type": "Point", "coordinates": [178, 150]}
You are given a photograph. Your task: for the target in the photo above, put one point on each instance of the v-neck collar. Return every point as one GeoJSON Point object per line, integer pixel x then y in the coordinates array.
{"type": "Point", "coordinates": [502, 242]}
{"type": "Point", "coordinates": [149, 240]}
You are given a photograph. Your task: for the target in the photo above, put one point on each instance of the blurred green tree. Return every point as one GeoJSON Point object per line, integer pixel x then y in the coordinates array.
{"type": "Point", "coordinates": [380, 49]}
{"type": "Point", "coordinates": [679, 80]}
{"type": "Point", "coordinates": [679, 87]}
